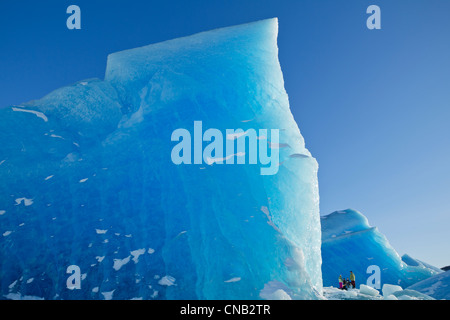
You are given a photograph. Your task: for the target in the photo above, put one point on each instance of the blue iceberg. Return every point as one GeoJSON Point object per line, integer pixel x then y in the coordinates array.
{"type": "Point", "coordinates": [410, 261]}
{"type": "Point", "coordinates": [88, 181]}
{"type": "Point", "coordinates": [349, 243]}
{"type": "Point", "coordinates": [437, 286]}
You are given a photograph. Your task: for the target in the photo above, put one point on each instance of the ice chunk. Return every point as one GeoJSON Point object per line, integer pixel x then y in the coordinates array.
{"type": "Point", "coordinates": [389, 289]}
{"type": "Point", "coordinates": [235, 279]}
{"type": "Point", "coordinates": [25, 201]}
{"type": "Point", "coordinates": [409, 294]}
{"type": "Point", "coordinates": [364, 289]}
{"type": "Point", "coordinates": [108, 295]}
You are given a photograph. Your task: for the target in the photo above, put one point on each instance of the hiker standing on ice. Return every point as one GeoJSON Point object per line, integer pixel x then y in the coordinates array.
{"type": "Point", "coordinates": [340, 281]}
{"type": "Point", "coordinates": [352, 279]}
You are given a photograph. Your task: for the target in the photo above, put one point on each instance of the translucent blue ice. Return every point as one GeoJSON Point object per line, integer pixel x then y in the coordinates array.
{"type": "Point", "coordinates": [349, 243]}
{"type": "Point", "coordinates": [87, 180]}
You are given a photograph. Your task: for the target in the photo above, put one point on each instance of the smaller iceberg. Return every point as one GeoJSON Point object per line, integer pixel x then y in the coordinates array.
{"type": "Point", "coordinates": [349, 243]}
{"type": "Point", "coordinates": [437, 286]}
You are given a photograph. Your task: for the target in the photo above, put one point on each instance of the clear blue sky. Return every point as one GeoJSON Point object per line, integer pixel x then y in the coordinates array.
{"type": "Point", "coordinates": [373, 105]}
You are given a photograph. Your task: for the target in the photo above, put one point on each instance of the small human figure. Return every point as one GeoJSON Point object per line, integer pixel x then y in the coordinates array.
{"type": "Point", "coordinates": [353, 279]}
{"type": "Point", "coordinates": [344, 284]}
{"type": "Point", "coordinates": [340, 282]}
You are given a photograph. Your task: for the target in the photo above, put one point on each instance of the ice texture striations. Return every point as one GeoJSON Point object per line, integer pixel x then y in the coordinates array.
{"type": "Point", "coordinates": [349, 243]}
{"type": "Point", "coordinates": [87, 180]}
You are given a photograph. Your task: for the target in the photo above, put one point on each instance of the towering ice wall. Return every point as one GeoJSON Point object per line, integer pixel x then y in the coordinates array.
{"type": "Point", "coordinates": [349, 243]}
{"type": "Point", "coordinates": [88, 180]}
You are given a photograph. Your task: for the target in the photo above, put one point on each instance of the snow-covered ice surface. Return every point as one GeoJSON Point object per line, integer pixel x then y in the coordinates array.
{"type": "Point", "coordinates": [349, 243]}
{"type": "Point", "coordinates": [87, 175]}
{"type": "Point", "coordinates": [437, 286]}
{"type": "Point", "coordinates": [368, 293]}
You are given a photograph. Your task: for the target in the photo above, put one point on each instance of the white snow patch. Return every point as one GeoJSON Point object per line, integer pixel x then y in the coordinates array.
{"type": "Point", "coordinates": [26, 202]}
{"type": "Point", "coordinates": [36, 113]}
{"type": "Point", "coordinates": [167, 281]}
{"type": "Point", "coordinates": [136, 254]}
{"type": "Point", "coordinates": [389, 289]}
{"type": "Point", "coordinates": [119, 263]}
{"type": "Point", "coordinates": [2, 212]}
{"type": "Point", "coordinates": [12, 285]}
{"type": "Point", "coordinates": [7, 233]}
{"type": "Point", "coordinates": [18, 296]}
{"type": "Point", "coordinates": [364, 289]}
{"type": "Point", "coordinates": [100, 231]}
{"type": "Point", "coordinates": [235, 279]}
{"type": "Point", "coordinates": [108, 295]}
{"type": "Point", "coordinates": [84, 180]}
{"type": "Point", "coordinates": [48, 178]}
{"type": "Point", "coordinates": [150, 250]}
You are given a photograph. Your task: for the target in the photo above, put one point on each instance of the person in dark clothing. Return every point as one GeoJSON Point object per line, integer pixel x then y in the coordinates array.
{"type": "Point", "coordinates": [344, 284]}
